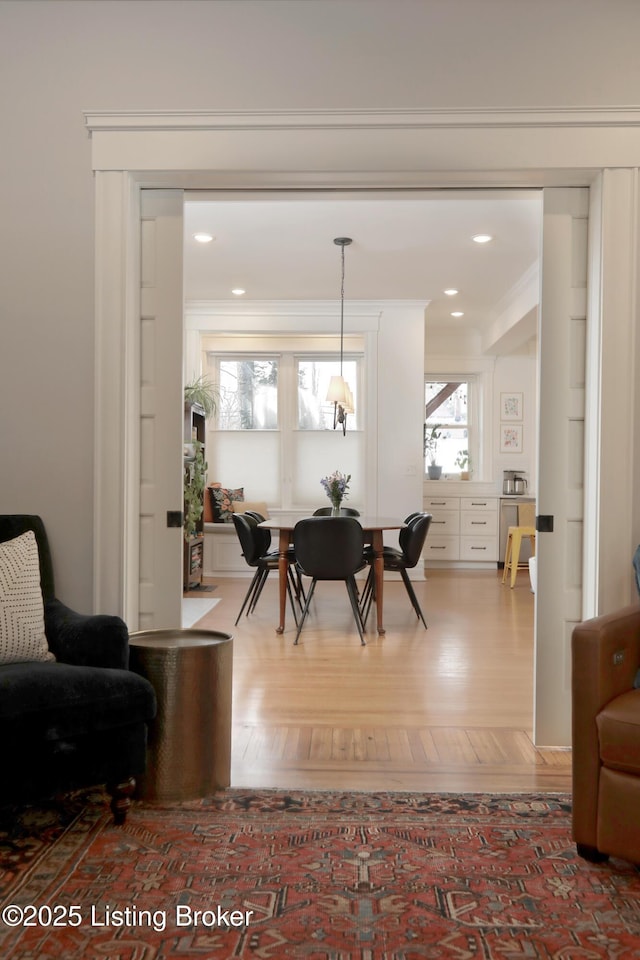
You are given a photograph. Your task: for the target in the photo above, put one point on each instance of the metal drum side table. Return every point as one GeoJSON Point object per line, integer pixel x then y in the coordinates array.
{"type": "Point", "coordinates": [189, 749]}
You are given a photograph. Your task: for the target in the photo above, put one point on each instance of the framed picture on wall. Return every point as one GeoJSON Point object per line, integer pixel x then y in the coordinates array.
{"type": "Point", "coordinates": [510, 438]}
{"type": "Point", "coordinates": [511, 406]}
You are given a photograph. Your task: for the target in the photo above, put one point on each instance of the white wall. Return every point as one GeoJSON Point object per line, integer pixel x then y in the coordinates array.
{"type": "Point", "coordinates": [400, 412]}
{"type": "Point", "coordinates": [60, 58]}
{"type": "Point", "coordinates": [517, 375]}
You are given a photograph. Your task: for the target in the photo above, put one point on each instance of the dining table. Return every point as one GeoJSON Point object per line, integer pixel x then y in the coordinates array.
{"type": "Point", "coordinates": [373, 527]}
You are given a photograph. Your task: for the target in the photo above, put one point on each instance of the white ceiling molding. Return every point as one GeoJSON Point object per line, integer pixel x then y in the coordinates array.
{"type": "Point", "coordinates": [360, 315]}
{"type": "Point", "coordinates": [516, 315]}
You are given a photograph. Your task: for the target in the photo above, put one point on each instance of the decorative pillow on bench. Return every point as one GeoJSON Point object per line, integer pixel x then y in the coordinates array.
{"type": "Point", "coordinates": [220, 499]}
{"type": "Point", "coordinates": [257, 506]}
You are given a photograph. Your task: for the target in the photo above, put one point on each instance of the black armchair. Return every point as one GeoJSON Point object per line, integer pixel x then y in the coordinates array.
{"type": "Point", "coordinates": [78, 721]}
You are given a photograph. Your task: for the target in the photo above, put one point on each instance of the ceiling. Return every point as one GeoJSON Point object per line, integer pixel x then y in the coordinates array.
{"type": "Point", "coordinates": [406, 246]}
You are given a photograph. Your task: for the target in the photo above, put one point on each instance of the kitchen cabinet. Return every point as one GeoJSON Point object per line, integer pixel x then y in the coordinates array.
{"type": "Point", "coordinates": [463, 529]}
{"type": "Point", "coordinates": [443, 538]}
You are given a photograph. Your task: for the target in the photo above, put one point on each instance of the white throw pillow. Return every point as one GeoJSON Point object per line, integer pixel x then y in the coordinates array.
{"type": "Point", "coordinates": [22, 635]}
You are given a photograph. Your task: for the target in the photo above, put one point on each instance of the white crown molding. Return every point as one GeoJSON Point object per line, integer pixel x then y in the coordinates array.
{"type": "Point", "coordinates": [513, 322]}
{"type": "Point", "coordinates": [525, 290]}
{"type": "Point", "coordinates": [288, 308]}
{"type": "Point", "coordinates": [401, 119]}
{"type": "Point", "coordinates": [309, 316]}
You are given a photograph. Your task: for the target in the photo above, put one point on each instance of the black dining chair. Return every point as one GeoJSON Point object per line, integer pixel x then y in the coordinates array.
{"type": "Point", "coordinates": [261, 533]}
{"type": "Point", "coordinates": [344, 512]}
{"type": "Point", "coordinates": [266, 536]}
{"type": "Point", "coordinates": [399, 560]}
{"type": "Point", "coordinates": [255, 542]}
{"type": "Point", "coordinates": [330, 548]}
{"type": "Point", "coordinates": [258, 517]}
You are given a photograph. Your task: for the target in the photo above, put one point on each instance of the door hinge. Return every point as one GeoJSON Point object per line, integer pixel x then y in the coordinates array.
{"type": "Point", "coordinates": [175, 518]}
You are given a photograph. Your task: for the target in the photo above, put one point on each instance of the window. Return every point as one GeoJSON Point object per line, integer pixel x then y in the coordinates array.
{"type": "Point", "coordinates": [314, 375]}
{"type": "Point", "coordinates": [449, 422]}
{"type": "Point", "coordinates": [273, 431]}
{"type": "Point", "coordinates": [247, 394]}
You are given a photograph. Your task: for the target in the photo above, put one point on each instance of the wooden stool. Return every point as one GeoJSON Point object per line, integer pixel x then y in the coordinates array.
{"type": "Point", "coordinates": [525, 528]}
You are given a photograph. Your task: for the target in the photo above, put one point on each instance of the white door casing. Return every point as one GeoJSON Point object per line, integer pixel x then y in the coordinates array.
{"type": "Point", "coordinates": [161, 408]}
{"type": "Point", "coordinates": [561, 427]}
{"type": "Point", "coordinates": [345, 150]}
{"type": "Point", "coordinates": [613, 392]}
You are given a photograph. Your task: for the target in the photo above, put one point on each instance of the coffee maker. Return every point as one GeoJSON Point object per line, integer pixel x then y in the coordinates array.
{"type": "Point", "coordinates": [513, 483]}
{"type": "Point", "coordinates": [519, 484]}
{"type": "Point", "coordinates": [508, 482]}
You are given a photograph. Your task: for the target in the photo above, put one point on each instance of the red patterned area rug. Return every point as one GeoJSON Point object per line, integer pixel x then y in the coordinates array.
{"type": "Point", "coordinates": [319, 876]}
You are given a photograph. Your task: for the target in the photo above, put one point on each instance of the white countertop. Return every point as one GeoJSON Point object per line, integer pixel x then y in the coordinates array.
{"type": "Point", "coordinates": [471, 488]}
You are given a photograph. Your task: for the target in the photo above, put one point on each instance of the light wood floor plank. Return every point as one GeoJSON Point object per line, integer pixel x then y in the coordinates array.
{"type": "Point", "coordinates": [446, 709]}
{"type": "Point", "coordinates": [428, 745]}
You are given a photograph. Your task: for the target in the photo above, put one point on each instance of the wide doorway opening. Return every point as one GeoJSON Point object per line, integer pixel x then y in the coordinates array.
{"type": "Point", "coordinates": [484, 332]}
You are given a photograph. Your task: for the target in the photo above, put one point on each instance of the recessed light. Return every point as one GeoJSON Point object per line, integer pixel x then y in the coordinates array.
{"type": "Point", "coordinates": [457, 313]}
{"type": "Point", "coordinates": [203, 237]}
{"type": "Point", "coordinates": [482, 238]}
{"type": "Point", "coordinates": [238, 291]}
{"type": "Point", "coordinates": [451, 292]}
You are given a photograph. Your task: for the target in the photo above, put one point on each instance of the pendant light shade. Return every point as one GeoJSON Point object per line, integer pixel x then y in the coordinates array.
{"type": "Point", "coordinates": [339, 392]}
{"type": "Point", "coordinates": [349, 407]}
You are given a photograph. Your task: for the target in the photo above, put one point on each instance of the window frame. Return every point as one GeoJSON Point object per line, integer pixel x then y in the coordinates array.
{"type": "Point", "coordinates": [480, 372]}
{"type": "Point", "coordinates": [288, 358]}
{"type": "Point", "coordinates": [470, 425]}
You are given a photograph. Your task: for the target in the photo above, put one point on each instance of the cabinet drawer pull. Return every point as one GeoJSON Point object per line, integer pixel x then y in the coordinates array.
{"type": "Point", "coordinates": [433, 546]}
{"type": "Point", "coordinates": [478, 523]}
{"type": "Point", "coordinates": [478, 548]}
{"type": "Point", "coordinates": [479, 504]}
{"type": "Point", "coordinates": [441, 522]}
{"type": "Point", "coordinates": [437, 503]}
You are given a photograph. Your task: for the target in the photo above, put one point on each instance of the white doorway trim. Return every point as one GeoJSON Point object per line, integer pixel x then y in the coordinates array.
{"type": "Point", "coordinates": [334, 150]}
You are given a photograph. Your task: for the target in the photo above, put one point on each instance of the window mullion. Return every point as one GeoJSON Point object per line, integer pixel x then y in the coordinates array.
{"type": "Point", "coordinates": [287, 422]}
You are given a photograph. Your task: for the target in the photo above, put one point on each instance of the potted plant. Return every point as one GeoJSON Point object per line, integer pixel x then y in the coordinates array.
{"type": "Point", "coordinates": [200, 396]}
{"type": "Point", "coordinates": [204, 392]}
{"type": "Point", "coordinates": [463, 461]}
{"type": "Point", "coordinates": [431, 438]}
{"type": "Point", "coordinates": [195, 472]}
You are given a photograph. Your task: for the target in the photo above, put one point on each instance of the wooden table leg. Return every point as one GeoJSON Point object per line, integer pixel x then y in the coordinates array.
{"type": "Point", "coordinates": [377, 542]}
{"type": "Point", "coordinates": [283, 563]}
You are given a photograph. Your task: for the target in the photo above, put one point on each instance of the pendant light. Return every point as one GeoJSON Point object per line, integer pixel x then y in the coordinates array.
{"type": "Point", "coordinates": [339, 392]}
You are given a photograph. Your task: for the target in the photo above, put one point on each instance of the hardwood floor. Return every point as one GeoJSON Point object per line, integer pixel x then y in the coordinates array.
{"type": "Point", "coordinates": [443, 709]}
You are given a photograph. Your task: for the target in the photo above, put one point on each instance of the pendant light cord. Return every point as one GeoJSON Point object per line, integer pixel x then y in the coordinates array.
{"type": "Point", "coordinates": [342, 311]}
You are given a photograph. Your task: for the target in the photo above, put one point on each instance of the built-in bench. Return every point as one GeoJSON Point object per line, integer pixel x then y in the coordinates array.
{"type": "Point", "coordinates": [222, 553]}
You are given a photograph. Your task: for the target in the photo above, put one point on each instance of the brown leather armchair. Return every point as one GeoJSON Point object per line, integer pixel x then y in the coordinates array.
{"type": "Point", "coordinates": [606, 736]}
